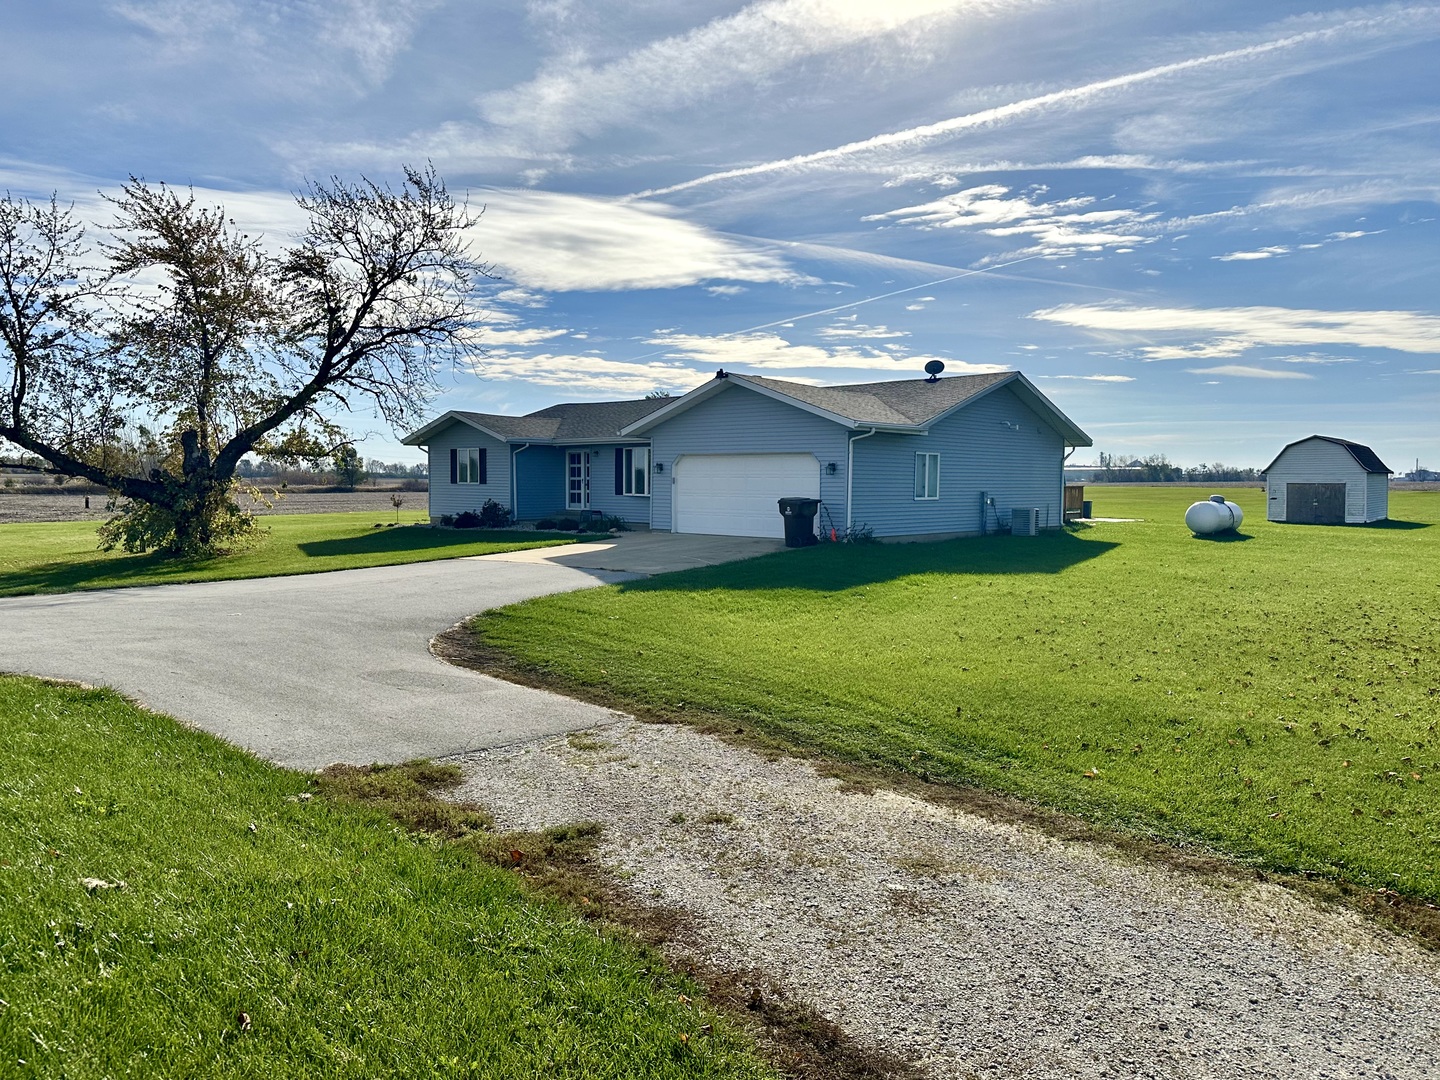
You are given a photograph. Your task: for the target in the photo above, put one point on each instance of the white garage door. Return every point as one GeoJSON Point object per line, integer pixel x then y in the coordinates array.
{"type": "Point", "coordinates": [735, 494]}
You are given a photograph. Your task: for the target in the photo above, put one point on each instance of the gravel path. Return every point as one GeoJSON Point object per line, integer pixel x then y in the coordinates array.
{"type": "Point", "coordinates": [973, 948]}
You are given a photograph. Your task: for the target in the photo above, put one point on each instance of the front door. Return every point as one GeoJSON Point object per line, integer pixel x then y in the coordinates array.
{"type": "Point", "coordinates": [577, 480]}
{"type": "Point", "coordinates": [1315, 504]}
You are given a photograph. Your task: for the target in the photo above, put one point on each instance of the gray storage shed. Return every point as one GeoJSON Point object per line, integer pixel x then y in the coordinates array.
{"type": "Point", "coordinates": [1322, 480]}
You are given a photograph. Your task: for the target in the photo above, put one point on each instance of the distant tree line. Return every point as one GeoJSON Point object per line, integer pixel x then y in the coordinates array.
{"type": "Point", "coordinates": [1158, 469]}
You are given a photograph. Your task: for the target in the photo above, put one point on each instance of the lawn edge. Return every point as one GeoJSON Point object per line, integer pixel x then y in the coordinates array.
{"type": "Point", "coordinates": [1414, 917]}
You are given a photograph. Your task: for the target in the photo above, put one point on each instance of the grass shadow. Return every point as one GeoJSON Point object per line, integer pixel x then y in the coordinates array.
{"type": "Point", "coordinates": [834, 567]}
{"type": "Point", "coordinates": [68, 575]}
{"type": "Point", "coordinates": [1398, 526]}
{"type": "Point", "coordinates": [1223, 538]}
{"type": "Point", "coordinates": [387, 541]}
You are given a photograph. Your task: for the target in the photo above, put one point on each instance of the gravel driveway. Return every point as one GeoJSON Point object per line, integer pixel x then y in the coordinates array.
{"type": "Point", "coordinates": [973, 948]}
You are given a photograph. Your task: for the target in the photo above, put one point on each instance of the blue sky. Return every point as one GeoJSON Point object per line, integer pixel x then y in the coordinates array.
{"type": "Point", "coordinates": [1203, 229]}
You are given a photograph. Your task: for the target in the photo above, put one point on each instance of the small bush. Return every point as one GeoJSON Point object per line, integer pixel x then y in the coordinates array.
{"type": "Point", "coordinates": [567, 525]}
{"type": "Point", "coordinates": [467, 520]}
{"type": "Point", "coordinates": [494, 516]}
{"type": "Point", "coordinates": [447, 520]}
{"type": "Point", "coordinates": [547, 525]}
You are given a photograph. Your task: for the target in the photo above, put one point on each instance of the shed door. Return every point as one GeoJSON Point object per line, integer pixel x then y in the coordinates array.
{"type": "Point", "coordinates": [735, 494]}
{"type": "Point", "coordinates": [1315, 504]}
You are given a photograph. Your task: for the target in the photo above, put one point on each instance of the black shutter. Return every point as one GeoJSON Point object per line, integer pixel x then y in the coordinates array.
{"type": "Point", "coordinates": [619, 470]}
{"type": "Point", "coordinates": [454, 466]}
{"type": "Point", "coordinates": [483, 479]}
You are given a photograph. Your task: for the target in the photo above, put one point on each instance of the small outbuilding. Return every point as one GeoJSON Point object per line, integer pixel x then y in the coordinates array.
{"type": "Point", "coordinates": [1327, 481]}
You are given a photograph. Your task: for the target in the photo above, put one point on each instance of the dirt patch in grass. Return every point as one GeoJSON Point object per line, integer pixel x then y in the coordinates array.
{"type": "Point", "coordinates": [560, 863]}
{"type": "Point", "coordinates": [1419, 918]}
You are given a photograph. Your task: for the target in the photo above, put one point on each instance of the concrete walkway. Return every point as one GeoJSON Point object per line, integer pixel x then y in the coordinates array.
{"type": "Point", "coordinates": [307, 670]}
{"type": "Point", "coordinates": [647, 552]}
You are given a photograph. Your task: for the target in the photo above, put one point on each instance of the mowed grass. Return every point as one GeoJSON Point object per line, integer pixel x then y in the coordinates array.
{"type": "Point", "coordinates": [61, 556]}
{"type": "Point", "coordinates": [1272, 696]}
{"type": "Point", "coordinates": [353, 948]}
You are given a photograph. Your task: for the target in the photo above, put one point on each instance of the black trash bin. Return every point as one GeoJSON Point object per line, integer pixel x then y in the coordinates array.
{"type": "Point", "coordinates": [799, 515]}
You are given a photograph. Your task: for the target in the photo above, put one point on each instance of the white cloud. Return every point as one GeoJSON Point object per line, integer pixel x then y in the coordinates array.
{"type": "Point", "coordinates": [860, 330]}
{"type": "Point", "coordinates": [487, 337]}
{"type": "Point", "coordinates": [561, 242]}
{"type": "Point", "coordinates": [1208, 350]}
{"type": "Point", "coordinates": [573, 99]}
{"type": "Point", "coordinates": [1091, 378]}
{"type": "Point", "coordinates": [1241, 371]}
{"type": "Point", "coordinates": [1403, 331]}
{"type": "Point", "coordinates": [726, 290]}
{"type": "Point", "coordinates": [1247, 256]}
{"type": "Point", "coordinates": [771, 351]}
{"type": "Point", "coordinates": [586, 374]}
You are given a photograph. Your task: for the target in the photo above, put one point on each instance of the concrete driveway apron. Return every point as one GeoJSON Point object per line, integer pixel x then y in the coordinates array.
{"type": "Point", "coordinates": [306, 670]}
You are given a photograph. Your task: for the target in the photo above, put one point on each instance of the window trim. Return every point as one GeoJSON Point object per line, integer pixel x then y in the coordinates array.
{"type": "Point", "coordinates": [927, 464]}
{"type": "Point", "coordinates": [468, 465]}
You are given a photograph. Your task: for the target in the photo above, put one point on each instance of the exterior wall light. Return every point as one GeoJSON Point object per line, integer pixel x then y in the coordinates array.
{"type": "Point", "coordinates": [830, 468]}
{"type": "Point", "coordinates": [659, 466]}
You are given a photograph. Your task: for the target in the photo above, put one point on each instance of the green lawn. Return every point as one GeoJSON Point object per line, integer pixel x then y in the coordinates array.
{"type": "Point", "coordinates": [354, 948]}
{"type": "Point", "coordinates": [61, 556]}
{"type": "Point", "coordinates": [1273, 696]}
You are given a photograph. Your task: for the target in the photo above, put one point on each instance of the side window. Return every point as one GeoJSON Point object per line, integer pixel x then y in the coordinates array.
{"type": "Point", "coordinates": [636, 465]}
{"type": "Point", "coordinates": [927, 476]}
{"type": "Point", "coordinates": [468, 465]}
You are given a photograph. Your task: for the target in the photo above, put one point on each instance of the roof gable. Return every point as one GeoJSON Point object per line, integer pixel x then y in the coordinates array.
{"type": "Point", "coordinates": [904, 405]}
{"type": "Point", "coordinates": [571, 422]}
{"type": "Point", "coordinates": [1366, 458]}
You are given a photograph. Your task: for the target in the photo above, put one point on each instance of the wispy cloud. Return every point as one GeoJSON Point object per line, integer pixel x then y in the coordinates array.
{"type": "Point", "coordinates": [1057, 227]}
{"type": "Point", "coordinates": [860, 330]}
{"type": "Point", "coordinates": [1241, 371]}
{"type": "Point", "coordinates": [1069, 98]}
{"type": "Point", "coordinates": [1251, 256]}
{"type": "Point", "coordinates": [574, 99]}
{"type": "Point", "coordinates": [771, 351]}
{"type": "Point", "coordinates": [1242, 327]}
{"type": "Point", "coordinates": [561, 242]}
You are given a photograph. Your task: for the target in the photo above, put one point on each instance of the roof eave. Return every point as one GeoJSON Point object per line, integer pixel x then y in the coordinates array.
{"type": "Point", "coordinates": [1069, 430]}
{"type": "Point", "coordinates": [422, 436]}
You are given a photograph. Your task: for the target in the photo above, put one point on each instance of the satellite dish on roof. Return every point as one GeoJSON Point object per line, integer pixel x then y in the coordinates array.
{"type": "Point", "coordinates": [933, 369]}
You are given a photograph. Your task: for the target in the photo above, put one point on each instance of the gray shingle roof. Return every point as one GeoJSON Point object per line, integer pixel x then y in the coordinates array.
{"type": "Point", "coordinates": [596, 419]}
{"type": "Point", "coordinates": [906, 401]}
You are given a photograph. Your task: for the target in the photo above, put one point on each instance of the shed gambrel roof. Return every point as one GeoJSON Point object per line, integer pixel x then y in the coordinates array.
{"type": "Point", "coordinates": [1366, 458]}
{"type": "Point", "coordinates": [904, 405]}
{"type": "Point", "coordinates": [580, 421]}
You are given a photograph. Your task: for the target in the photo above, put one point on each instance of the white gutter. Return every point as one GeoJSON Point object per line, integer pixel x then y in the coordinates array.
{"type": "Point", "coordinates": [850, 475]}
{"type": "Point", "coordinates": [515, 481]}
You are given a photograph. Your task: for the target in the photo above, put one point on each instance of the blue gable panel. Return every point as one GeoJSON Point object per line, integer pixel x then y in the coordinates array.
{"type": "Point", "coordinates": [448, 498]}
{"type": "Point", "coordinates": [540, 480]}
{"type": "Point", "coordinates": [996, 445]}
{"type": "Point", "coordinates": [739, 421]}
{"type": "Point", "coordinates": [603, 500]}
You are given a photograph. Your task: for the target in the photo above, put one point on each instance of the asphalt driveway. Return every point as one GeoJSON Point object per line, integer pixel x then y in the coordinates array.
{"type": "Point", "coordinates": [307, 670]}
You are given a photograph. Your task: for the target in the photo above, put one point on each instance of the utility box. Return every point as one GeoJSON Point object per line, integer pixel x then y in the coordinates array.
{"type": "Point", "coordinates": [1025, 521]}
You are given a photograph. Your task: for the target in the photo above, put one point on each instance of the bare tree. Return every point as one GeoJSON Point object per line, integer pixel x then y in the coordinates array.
{"type": "Point", "coordinates": [190, 345]}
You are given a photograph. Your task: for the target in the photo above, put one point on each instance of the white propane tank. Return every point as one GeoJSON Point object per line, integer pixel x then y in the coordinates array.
{"type": "Point", "coordinates": [1213, 516]}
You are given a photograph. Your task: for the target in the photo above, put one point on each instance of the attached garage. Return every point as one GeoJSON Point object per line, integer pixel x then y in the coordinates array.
{"type": "Point", "coordinates": [1327, 481]}
{"type": "Point", "coordinates": [736, 494]}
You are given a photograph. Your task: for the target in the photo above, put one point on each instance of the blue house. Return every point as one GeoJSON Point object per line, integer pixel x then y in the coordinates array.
{"type": "Point", "coordinates": [914, 459]}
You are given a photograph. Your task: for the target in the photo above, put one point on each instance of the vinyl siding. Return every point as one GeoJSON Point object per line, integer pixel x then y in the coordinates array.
{"type": "Point", "coordinates": [1377, 496]}
{"type": "Point", "coordinates": [448, 498]}
{"type": "Point", "coordinates": [740, 421]}
{"type": "Point", "coordinates": [979, 451]}
{"type": "Point", "coordinates": [633, 508]}
{"type": "Point", "coordinates": [540, 476]}
{"type": "Point", "coordinates": [1315, 461]}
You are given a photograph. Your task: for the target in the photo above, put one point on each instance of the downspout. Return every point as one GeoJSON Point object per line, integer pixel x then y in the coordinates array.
{"type": "Point", "coordinates": [515, 482]}
{"type": "Point", "coordinates": [850, 476]}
